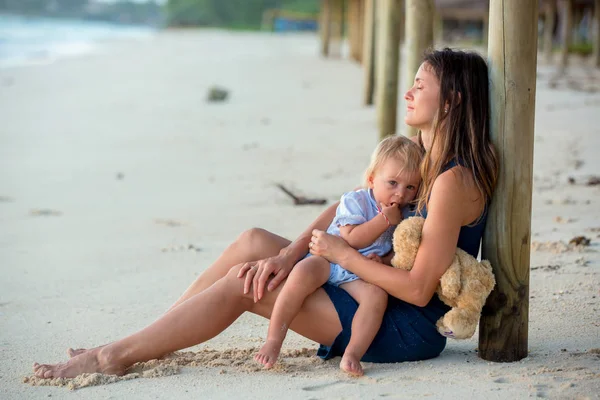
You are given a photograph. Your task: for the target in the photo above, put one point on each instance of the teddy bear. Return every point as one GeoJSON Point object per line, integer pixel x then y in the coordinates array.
{"type": "Point", "coordinates": [464, 286]}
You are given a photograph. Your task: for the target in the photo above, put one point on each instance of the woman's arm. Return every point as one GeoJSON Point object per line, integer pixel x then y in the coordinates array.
{"type": "Point", "coordinates": [257, 273]}
{"type": "Point", "coordinates": [449, 208]}
{"type": "Point", "coordinates": [299, 247]}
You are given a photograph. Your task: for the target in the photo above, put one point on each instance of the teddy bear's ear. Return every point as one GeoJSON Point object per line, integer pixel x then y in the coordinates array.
{"type": "Point", "coordinates": [409, 231]}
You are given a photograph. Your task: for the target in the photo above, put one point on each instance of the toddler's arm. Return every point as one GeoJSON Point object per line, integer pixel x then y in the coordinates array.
{"type": "Point", "coordinates": [363, 235]}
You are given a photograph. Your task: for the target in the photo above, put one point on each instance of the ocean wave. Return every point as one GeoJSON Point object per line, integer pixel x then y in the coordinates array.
{"type": "Point", "coordinates": [27, 41]}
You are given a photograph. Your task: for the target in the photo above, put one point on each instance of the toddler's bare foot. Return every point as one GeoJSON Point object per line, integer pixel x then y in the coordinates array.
{"type": "Point", "coordinates": [351, 365]}
{"type": "Point", "coordinates": [267, 355]}
{"type": "Point", "coordinates": [88, 361]}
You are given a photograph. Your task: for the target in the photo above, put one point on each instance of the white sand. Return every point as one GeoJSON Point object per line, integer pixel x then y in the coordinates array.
{"type": "Point", "coordinates": [81, 251]}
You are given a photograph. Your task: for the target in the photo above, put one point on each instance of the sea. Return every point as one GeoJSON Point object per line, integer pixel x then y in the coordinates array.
{"type": "Point", "coordinates": [28, 40]}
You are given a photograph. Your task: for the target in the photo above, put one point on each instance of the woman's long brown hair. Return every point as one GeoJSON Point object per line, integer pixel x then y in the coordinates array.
{"type": "Point", "coordinates": [461, 134]}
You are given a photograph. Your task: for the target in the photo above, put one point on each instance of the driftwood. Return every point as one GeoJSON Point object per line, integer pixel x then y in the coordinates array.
{"type": "Point", "coordinates": [301, 200]}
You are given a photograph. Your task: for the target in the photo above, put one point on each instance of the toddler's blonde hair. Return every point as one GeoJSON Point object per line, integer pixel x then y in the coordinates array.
{"type": "Point", "coordinates": [395, 147]}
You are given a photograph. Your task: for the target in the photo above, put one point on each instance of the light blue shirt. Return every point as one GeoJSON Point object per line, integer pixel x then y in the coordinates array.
{"type": "Point", "coordinates": [356, 208]}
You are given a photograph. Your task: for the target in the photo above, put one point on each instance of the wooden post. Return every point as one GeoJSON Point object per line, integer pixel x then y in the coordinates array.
{"type": "Point", "coordinates": [438, 27]}
{"type": "Point", "coordinates": [512, 57]}
{"type": "Point", "coordinates": [369, 51]}
{"type": "Point", "coordinates": [577, 17]}
{"type": "Point", "coordinates": [401, 37]}
{"type": "Point", "coordinates": [337, 27]}
{"type": "Point", "coordinates": [388, 37]}
{"type": "Point", "coordinates": [325, 26]}
{"type": "Point", "coordinates": [419, 37]}
{"type": "Point", "coordinates": [549, 19]}
{"type": "Point", "coordinates": [590, 25]}
{"type": "Point", "coordinates": [351, 26]}
{"type": "Point", "coordinates": [360, 28]}
{"type": "Point", "coordinates": [485, 22]}
{"type": "Point", "coordinates": [596, 38]}
{"type": "Point", "coordinates": [567, 32]}
{"type": "Point", "coordinates": [354, 27]}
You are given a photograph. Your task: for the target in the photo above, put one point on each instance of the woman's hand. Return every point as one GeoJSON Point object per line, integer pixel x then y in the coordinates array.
{"type": "Point", "coordinates": [258, 273]}
{"type": "Point", "coordinates": [332, 248]}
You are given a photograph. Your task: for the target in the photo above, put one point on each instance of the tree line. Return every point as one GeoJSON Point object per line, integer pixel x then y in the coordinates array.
{"type": "Point", "coordinates": [230, 13]}
{"type": "Point", "coordinates": [122, 11]}
{"type": "Point", "coordinates": [245, 14]}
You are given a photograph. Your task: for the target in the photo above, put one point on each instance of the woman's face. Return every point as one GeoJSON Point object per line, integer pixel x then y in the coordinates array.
{"type": "Point", "coordinates": [423, 99]}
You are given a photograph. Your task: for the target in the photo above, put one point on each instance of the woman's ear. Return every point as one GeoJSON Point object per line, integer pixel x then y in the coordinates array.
{"type": "Point", "coordinates": [457, 100]}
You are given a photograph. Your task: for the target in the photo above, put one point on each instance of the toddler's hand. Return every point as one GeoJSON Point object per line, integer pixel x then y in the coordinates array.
{"type": "Point", "coordinates": [393, 213]}
{"type": "Point", "coordinates": [375, 257]}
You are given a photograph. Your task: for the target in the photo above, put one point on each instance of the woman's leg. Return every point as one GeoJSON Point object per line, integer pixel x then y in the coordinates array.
{"type": "Point", "coordinates": [196, 320]}
{"type": "Point", "coordinates": [253, 244]}
{"type": "Point", "coordinates": [306, 277]}
{"type": "Point", "coordinates": [372, 302]}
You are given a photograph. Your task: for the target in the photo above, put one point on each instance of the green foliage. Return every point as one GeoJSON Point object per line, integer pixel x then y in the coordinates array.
{"type": "Point", "coordinates": [303, 6]}
{"type": "Point", "coordinates": [24, 6]}
{"type": "Point", "coordinates": [246, 14]}
{"type": "Point", "coordinates": [123, 11]}
{"type": "Point", "coordinates": [235, 14]}
{"type": "Point", "coordinates": [584, 49]}
{"type": "Point", "coordinates": [44, 7]}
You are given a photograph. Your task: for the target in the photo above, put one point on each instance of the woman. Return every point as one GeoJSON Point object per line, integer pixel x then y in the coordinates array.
{"type": "Point", "coordinates": [449, 104]}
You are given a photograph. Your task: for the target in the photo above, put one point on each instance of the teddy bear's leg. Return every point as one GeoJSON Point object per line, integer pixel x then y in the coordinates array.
{"type": "Point", "coordinates": [458, 324]}
{"type": "Point", "coordinates": [461, 321]}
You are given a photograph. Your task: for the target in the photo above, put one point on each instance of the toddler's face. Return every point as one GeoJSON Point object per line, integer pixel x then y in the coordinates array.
{"type": "Point", "coordinates": [392, 187]}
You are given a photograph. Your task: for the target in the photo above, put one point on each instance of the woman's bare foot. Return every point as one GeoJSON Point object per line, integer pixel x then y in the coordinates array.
{"type": "Point", "coordinates": [351, 365]}
{"type": "Point", "coordinates": [267, 355]}
{"type": "Point", "coordinates": [75, 352]}
{"type": "Point", "coordinates": [86, 362]}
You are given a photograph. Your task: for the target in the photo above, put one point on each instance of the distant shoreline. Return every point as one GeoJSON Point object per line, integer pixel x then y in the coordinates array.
{"type": "Point", "coordinates": [33, 40]}
{"type": "Point", "coordinates": [74, 18]}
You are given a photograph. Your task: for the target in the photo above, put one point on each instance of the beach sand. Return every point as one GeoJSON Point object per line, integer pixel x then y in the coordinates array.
{"type": "Point", "coordinates": [119, 184]}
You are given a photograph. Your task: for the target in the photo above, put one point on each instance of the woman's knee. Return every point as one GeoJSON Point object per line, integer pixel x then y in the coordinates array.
{"type": "Point", "coordinates": [251, 240]}
{"type": "Point", "coordinates": [252, 235]}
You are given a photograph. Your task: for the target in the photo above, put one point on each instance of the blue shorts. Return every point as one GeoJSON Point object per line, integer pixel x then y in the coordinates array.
{"type": "Point", "coordinates": [407, 333]}
{"type": "Point", "coordinates": [337, 274]}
